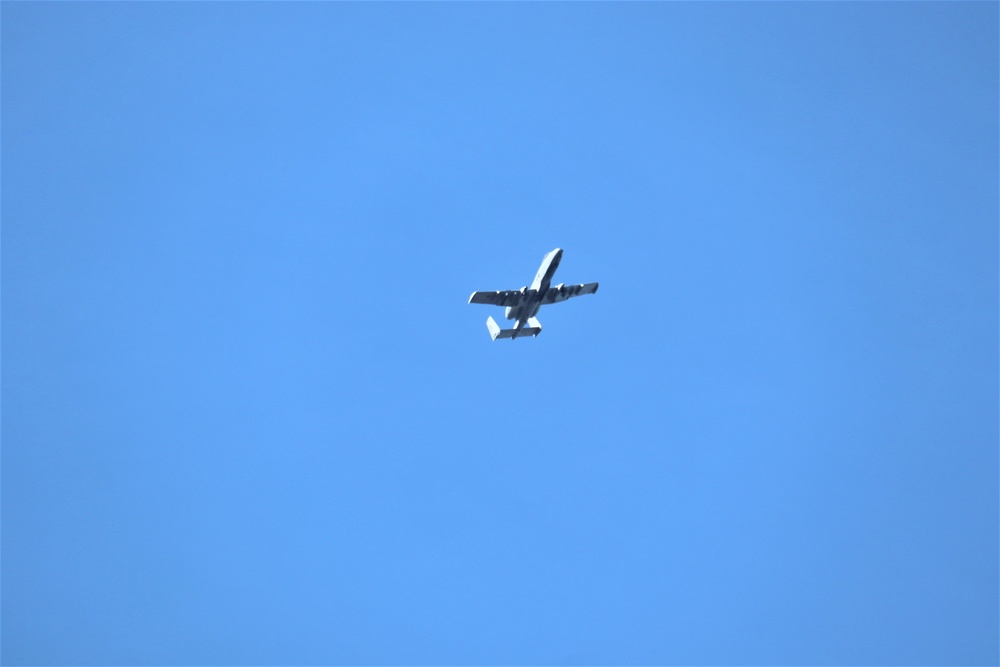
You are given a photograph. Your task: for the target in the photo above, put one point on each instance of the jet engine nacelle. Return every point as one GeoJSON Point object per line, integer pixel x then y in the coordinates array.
{"type": "Point", "coordinates": [508, 312]}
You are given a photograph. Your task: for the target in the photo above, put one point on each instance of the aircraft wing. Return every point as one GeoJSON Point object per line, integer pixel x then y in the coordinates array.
{"type": "Point", "coordinates": [558, 293]}
{"type": "Point", "coordinates": [501, 298]}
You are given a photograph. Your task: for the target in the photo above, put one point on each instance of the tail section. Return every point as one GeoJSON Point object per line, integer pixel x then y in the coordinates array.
{"type": "Point", "coordinates": [533, 328]}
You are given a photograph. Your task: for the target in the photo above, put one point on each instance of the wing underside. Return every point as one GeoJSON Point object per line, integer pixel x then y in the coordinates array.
{"type": "Point", "coordinates": [559, 293]}
{"type": "Point", "coordinates": [502, 298]}
{"type": "Point", "coordinates": [553, 294]}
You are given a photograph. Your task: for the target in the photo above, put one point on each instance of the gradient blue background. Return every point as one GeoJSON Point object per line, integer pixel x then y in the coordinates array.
{"type": "Point", "coordinates": [249, 418]}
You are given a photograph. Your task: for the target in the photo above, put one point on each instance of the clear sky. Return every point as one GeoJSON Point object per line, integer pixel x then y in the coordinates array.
{"type": "Point", "coordinates": [248, 416]}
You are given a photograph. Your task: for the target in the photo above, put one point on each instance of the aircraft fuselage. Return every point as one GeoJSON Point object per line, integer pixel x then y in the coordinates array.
{"type": "Point", "coordinates": [540, 285]}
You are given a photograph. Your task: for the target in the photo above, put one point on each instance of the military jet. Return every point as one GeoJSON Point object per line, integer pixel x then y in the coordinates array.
{"type": "Point", "coordinates": [523, 304]}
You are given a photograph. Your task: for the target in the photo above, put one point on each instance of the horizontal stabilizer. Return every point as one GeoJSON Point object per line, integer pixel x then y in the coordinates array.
{"type": "Point", "coordinates": [534, 329]}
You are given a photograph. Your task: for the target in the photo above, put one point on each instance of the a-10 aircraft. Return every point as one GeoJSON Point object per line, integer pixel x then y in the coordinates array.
{"type": "Point", "coordinates": [523, 304]}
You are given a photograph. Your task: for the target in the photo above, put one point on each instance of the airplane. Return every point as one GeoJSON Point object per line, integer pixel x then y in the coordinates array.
{"type": "Point", "coordinates": [523, 304]}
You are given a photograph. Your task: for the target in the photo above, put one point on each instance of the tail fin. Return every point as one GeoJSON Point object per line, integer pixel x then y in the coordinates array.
{"type": "Point", "coordinates": [533, 329]}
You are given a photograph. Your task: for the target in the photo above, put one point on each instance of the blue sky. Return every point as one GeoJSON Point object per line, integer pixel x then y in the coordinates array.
{"type": "Point", "coordinates": [249, 418]}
